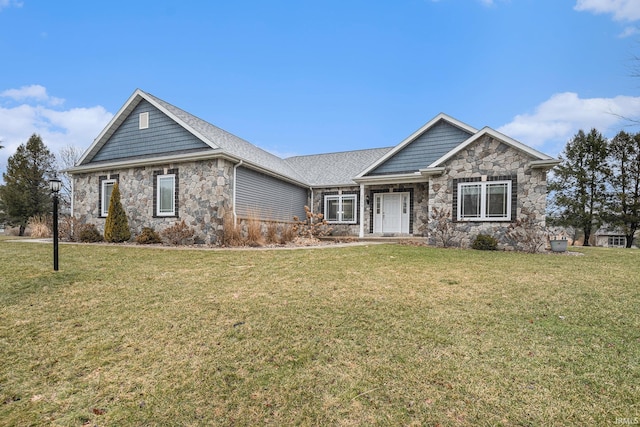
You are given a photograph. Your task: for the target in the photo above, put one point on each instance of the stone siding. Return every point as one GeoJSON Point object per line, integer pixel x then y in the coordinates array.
{"type": "Point", "coordinates": [489, 157]}
{"type": "Point", "coordinates": [420, 203]}
{"type": "Point", "coordinates": [339, 229]}
{"type": "Point", "coordinates": [204, 197]}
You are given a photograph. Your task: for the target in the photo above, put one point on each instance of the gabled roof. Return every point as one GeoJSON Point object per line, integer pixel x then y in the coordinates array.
{"type": "Point", "coordinates": [218, 139]}
{"type": "Point", "coordinates": [335, 169]}
{"type": "Point", "coordinates": [319, 170]}
{"type": "Point", "coordinates": [537, 155]}
{"type": "Point", "coordinates": [454, 122]}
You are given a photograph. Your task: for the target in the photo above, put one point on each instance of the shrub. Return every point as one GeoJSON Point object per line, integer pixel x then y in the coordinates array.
{"type": "Point", "coordinates": [89, 234]}
{"type": "Point", "coordinates": [69, 228]}
{"type": "Point", "coordinates": [272, 233]}
{"type": "Point", "coordinates": [484, 242]}
{"type": "Point", "coordinates": [148, 236]}
{"type": "Point", "coordinates": [39, 226]}
{"type": "Point", "coordinates": [231, 232]}
{"type": "Point", "coordinates": [116, 227]}
{"type": "Point", "coordinates": [313, 226]}
{"type": "Point", "coordinates": [287, 234]}
{"type": "Point", "coordinates": [254, 232]}
{"type": "Point", "coordinates": [442, 228]}
{"type": "Point", "coordinates": [179, 234]}
{"type": "Point", "coordinates": [525, 234]}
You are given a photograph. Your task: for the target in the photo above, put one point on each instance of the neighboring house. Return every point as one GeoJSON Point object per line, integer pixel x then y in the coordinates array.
{"type": "Point", "coordinates": [173, 166]}
{"type": "Point", "coordinates": [608, 238]}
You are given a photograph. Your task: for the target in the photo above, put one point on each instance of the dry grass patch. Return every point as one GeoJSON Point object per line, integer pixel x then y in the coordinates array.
{"type": "Point", "coordinates": [386, 334]}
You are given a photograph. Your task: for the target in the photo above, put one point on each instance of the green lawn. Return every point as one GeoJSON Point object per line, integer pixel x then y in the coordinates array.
{"type": "Point", "coordinates": [377, 335]}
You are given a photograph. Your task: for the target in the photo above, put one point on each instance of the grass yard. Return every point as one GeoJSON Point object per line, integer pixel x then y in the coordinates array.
{"type": "Point", "coordinates": [377, 335]}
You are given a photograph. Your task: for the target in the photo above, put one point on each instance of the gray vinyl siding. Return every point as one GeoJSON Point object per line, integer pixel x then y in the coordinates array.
{"type": "Point", "coordinates": [435, 142]}
{"type": "Point", "coordinates": [265, 197]}
{"type": "Point", "coordinates": [162, 137]}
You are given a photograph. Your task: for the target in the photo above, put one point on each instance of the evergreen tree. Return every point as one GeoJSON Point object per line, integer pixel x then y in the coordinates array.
{"type": "Point", "coordinates": [26, 191]}
{"type": "Point", "coordinates": [624, 201]}
{"type": "Point", "coordinates": [116, 227]}
{"type": "Point", "coordinates": [578, 184]}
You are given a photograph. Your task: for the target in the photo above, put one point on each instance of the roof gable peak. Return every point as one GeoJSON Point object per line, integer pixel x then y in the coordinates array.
{"type": "Point", "coordinates": [431, 123]}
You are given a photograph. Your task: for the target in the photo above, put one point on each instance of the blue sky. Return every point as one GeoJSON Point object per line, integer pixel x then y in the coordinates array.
{"type": "Point", "coordinates": [303, 77]}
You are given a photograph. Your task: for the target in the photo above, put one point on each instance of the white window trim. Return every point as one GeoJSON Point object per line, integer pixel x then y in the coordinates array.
{"type": "Point", "coordinates": [104, 206]}
{"type": "Point", "coordinates": [173, 197]}
{"type": "Point", "coordinates": [341, 198]}
{"type": "Point", "coordinates": [483, 199]}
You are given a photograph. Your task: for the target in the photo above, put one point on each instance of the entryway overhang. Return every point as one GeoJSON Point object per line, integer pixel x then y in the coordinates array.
{"type": "Point", "coordinates": [404, 178]}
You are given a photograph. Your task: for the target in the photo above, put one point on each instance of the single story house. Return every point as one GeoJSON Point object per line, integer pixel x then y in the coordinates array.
{"type": "Point", "coordinates": [611, 238]}
{"type": "Point", "coordinates": [173, 166]}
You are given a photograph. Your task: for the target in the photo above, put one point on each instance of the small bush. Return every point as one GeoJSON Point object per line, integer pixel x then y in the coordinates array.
{"type": "Point", "coordinates": [272, 233]}
{"type": "Point", "coordinates": [287, 234]}
{"type": "Point", "coordinates": [89, 234]}
{"type": "Point", "coordinates": [231, 232]}
{"type": "Point", "coordinates": [39, 226]}
{"type": "Point", "coordinates": [116, 227]}
{"type": "Point", "coordinates": [179, 234]}
{"type": "Point", "coordinates": [312, 227]}
{"type": "Point", "coordinates": [148, 236]}
{"type": "Point", "coordinates": [254, 232]}
{"type": "Point", "coordinates": [442, 228]}
{"type": "Point", "coordinates": [526, 234]}
{"type": "Point", "coordinates": [484, 242]}
{"type": "Point", "coordinates": [69, 229]}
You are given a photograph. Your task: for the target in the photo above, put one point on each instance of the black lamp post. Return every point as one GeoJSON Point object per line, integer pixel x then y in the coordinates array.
{"type": "Point", "coordinates": [54, 185]}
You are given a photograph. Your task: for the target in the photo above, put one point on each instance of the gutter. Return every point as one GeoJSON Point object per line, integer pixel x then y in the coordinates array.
{"type": "Point", "coordinates": [544, 164]}
{"type": "Point", "coordinates": [404, 178]}
{"type": "Point", "coordinates": [235, 174]}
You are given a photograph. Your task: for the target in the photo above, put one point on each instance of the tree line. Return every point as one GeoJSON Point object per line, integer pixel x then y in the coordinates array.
{"type": "Point", "coordinates": [25, 192]}
{"type": "Point", "coordinates": [597, 184]}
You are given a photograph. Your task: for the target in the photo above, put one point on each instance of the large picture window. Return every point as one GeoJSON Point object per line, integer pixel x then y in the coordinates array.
{"type": "Point", "coordinates": [340, 208]}
{"type": "Point", "coordinates": [166, 195]}
{"type": "Point", "coordinates": [105, 195]}
{"type": "Point", "coordinates": [484, 201]}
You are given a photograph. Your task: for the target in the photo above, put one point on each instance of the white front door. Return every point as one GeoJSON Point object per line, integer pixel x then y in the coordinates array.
{"type": "Point", "coordinates": [391, 213]}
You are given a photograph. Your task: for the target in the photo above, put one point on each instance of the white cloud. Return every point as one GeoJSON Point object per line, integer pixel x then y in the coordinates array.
{"type": "Point", "coordinates": [33, 92]}
{"type": "Point", "coordinates": [9, 3]}
{"type": "Point", "coordinates": [556, 120]}
{"type": "Point", "coordinates": [33, 111]}
{"type": "Point", "coordinates": [628, 32]}
{"type": "Point", "coordinates": [622, 10]}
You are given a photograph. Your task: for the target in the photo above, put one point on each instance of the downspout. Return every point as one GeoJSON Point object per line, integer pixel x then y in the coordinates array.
{"type": "Point", "coordinates": [311, 201]}
{"type": "Point", "coordinates": [72, 195]}
{"type": "Point", "coordinates": [362, 201]}
{"type": "Point", "coordinates": [235, 174]}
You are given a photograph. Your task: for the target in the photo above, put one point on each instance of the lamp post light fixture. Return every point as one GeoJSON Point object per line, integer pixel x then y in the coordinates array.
{"type": "Point", "coordinates": [54, 185]}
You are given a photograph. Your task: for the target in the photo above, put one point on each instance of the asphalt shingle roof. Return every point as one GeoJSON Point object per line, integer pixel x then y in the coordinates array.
{"type": "Point", "coordinates": [335, 169]}
{"type": "Point", "coordinates": [232, 144]}
{"type": "Point", "coordinates": [329, 169]}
